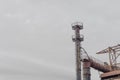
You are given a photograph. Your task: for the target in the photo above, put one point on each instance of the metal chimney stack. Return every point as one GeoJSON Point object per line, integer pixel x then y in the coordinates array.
{"type": "Point", "coordinates": [77, 38]}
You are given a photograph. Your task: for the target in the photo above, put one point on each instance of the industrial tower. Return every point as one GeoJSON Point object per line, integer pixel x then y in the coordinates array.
{"type": "Point", "coordinates": [109, 71]}
{"type": "Point", "coordinates": [77, 38]}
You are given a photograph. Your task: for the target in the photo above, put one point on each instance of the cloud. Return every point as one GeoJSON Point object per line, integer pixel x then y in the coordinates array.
{"type": "Point", "coordinates": [24, 65]}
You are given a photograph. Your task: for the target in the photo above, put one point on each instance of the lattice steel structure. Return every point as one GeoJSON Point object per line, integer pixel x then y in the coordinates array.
{"type": "Point", "coordinates": [114, 53]}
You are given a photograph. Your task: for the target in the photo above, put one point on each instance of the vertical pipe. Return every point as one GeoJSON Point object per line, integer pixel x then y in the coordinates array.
{"type": "Point", "coordinates": [86, 70]}
{"type": "Point", "coordinates": [77, 39]}
{"type": "Point", "coordinates": [78, 57]}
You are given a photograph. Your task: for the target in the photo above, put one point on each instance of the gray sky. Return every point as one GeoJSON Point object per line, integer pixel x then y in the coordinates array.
{"type": "Point", "coordinates": [35, 36]}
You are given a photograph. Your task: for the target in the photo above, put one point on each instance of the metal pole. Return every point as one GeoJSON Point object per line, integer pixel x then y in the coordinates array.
{"type": "Point", "coordinates": [77, 39]}
{"type": "Point", "coordinates": [78, 57]}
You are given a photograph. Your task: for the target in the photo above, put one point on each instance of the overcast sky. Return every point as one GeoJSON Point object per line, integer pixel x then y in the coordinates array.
{"type": "Point", "coordinates": [35, 36]}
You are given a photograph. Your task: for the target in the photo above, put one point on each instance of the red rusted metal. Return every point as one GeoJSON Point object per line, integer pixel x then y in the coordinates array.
{"type": "Point", "coordinates": [111, 74]}
{"type": "Point", "coordinates": [100, 67]}
{"type": "Point", "coordinates": [114, 53]}
{"type": "Point", "coordinates": [94, 63]}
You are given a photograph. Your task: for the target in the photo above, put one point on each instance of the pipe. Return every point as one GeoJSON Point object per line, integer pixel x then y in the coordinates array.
{"type": "Point", "coordinates": [96, 64]}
